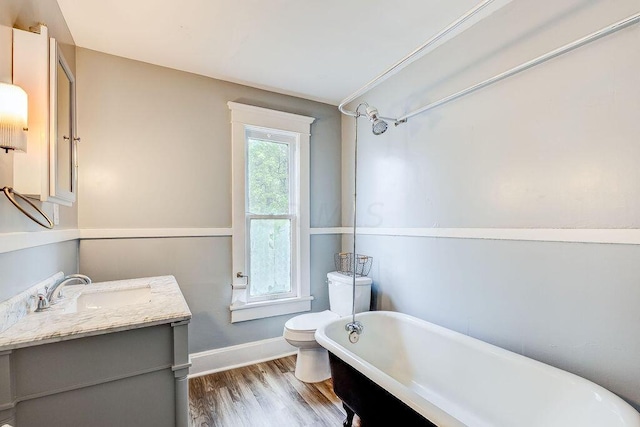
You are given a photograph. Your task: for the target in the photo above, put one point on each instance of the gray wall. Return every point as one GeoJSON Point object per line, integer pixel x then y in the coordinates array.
{"type": "Point", "coordinates": [202, 267]}
{"type": "Point", "coordinates": [554, 147]}
{"type": "Point", "coordinates": [24, 268]}
{"type": "Point", "coordinates": [156, 153]}
{"type": "Point", "coordinates": [21, 269]}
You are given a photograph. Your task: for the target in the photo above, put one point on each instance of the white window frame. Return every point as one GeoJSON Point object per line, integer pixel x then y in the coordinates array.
{"type": "Point", "coordinates": [245, 117]}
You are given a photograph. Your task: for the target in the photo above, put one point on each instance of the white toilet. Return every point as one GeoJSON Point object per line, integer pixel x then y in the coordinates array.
{"type": "Point", "coordinates": [312, 364]}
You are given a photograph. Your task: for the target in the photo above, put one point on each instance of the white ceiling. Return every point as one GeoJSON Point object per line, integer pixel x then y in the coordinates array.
{"type": "Point", "coordinates": [320, 50]}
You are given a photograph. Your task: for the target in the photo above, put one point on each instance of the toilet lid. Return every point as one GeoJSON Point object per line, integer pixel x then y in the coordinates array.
{"type": "Point", "coordinates": [310, 321]}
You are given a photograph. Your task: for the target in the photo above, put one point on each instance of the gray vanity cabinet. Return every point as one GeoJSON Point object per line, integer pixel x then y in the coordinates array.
{"type": "Point", "coordinates": [130, 378]}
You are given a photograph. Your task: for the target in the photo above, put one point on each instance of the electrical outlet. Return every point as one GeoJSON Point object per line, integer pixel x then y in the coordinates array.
{"type": "Point", "coordinates": [56, 214]}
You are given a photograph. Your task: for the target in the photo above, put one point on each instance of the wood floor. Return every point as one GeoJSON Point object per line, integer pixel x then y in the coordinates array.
{"type": "Point", "coordinates": [267, 394]}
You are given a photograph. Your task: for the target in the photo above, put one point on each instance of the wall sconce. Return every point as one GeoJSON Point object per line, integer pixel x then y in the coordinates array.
{"type": "Point", "coordinates": [13, 117]}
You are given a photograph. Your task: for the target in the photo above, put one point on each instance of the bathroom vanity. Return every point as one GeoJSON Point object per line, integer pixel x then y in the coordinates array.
{"type": "Point", "coordinates": [109, 354]}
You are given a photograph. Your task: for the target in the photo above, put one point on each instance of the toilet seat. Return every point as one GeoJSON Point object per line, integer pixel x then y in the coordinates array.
{"type": "Point", "coordinates": [303, 327]}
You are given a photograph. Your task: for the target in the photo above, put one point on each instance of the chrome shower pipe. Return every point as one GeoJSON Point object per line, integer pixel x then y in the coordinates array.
{"type": "Point", "coordinates": [354, 327]}
{"type": "Point", "coordinates": [408, 59]}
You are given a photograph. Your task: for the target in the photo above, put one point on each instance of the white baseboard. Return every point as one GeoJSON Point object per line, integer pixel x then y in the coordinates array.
{"type": "Point", "coordinates": [222, 359]}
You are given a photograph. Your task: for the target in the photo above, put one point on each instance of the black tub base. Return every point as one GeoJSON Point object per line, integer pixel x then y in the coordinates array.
{"type": "Point", "coordinates": [374, 405]}
{"type": "Point", "coordinates": [348, 422]}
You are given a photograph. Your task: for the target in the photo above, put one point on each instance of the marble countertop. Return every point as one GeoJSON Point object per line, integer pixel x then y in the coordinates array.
{"type": "Point", "coordinates": [165, 305]}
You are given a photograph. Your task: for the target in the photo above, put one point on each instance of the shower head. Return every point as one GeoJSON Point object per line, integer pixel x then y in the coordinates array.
{"type": "Point", "coordinates": [379, 126]}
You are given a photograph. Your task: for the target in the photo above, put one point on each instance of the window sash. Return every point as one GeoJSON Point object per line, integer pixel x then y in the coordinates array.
{"type": "Point", "coordinates": [293, 273]}
{"type": "Point", "coordinates": [294, 183]}
{"type": "Point", "coordinates": [292, 141]}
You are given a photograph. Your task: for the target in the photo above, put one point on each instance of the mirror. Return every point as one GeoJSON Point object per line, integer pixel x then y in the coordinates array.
{"type": "Point", "coordinates": [63, 132]}
{"type": "Point", "coordinates": [63, 129]}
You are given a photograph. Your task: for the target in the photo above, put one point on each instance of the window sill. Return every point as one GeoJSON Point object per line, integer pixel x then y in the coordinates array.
{"type": "Point", "coordinates": [241, 312]}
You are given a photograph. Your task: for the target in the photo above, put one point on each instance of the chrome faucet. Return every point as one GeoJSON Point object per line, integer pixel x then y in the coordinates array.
{"type": "Point", "coordinates": [354, 328]}
{"type": "Point", "coordinates": [55, 292]}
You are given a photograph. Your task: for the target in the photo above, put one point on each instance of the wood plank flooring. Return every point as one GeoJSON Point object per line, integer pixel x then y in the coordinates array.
{"type": "Point", "coordinates": [263, 395]}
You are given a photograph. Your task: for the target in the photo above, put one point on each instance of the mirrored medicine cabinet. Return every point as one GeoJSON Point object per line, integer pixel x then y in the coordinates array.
{"type": "Point", "coordinates": [48, 170]}
{"type": "Point", "coordinates": [62, 133]}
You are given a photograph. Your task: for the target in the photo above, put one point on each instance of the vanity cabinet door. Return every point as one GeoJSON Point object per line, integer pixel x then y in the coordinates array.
{"type": "Point", "coordinates": [115, 379]}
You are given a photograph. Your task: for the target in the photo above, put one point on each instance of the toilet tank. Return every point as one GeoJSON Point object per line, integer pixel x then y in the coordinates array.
{"type": "Point", "coordinates": [341, 293]}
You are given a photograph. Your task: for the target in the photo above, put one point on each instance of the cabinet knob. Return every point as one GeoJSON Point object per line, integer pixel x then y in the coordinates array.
{"type": "Point", "coordinates": [66, 138]}
{"type": "Point", "coordinates": [77, 139]}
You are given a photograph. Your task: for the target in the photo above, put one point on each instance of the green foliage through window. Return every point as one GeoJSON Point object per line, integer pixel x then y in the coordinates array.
{"type": "Point", "coordinates": [268, 177]}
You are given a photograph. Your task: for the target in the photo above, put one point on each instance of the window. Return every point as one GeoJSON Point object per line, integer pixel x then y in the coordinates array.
{"type": "Point", "coordinates": [270, 212]}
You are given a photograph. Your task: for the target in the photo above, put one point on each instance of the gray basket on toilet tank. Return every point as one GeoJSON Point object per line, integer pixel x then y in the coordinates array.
{"type": "Point", "coordinates": [346, 263]}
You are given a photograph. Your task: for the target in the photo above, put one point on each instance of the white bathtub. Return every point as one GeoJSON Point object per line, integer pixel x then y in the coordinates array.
{"type": "Point", "coordinates": [455, 380]}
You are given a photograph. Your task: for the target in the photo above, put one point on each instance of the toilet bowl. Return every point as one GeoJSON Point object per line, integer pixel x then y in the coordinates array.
{"type": "Point", "coordinates": [312, 364]}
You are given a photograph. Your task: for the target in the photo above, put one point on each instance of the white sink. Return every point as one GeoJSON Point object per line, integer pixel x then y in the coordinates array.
{"type": "Point", "coordinates": [96, 299]}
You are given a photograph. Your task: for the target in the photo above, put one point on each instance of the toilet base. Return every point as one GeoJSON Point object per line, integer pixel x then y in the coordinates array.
{"type": "Point", "coordinates": [312, 365]}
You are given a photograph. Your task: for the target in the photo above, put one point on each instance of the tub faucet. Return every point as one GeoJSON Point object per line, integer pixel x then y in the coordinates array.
{"type": "Point", "coordinates": [354, 328]}
{"type": "Point", "coordinates": [55, 292]}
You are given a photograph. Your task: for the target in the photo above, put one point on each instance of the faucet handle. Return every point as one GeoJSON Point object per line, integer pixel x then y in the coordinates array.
{"type": "Point", "coordinates": [43, 303]}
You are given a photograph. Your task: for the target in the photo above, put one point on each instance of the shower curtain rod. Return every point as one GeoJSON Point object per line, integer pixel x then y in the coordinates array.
{"type": "Point", "coordinates": [407, 59]}
{"type": "Point", "coordinates": [633, 19]}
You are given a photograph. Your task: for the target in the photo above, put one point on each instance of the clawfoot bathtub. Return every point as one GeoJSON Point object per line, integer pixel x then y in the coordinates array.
{"type": "Point", "coordinates": [405, 370]}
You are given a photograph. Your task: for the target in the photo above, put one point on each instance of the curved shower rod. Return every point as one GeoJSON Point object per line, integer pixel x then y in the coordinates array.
{"type": "Point", "coordinates": [409, 58]}
{"type": "Point", "coordinates": [633, 19]}
{"type": "Point", "coordinates": [616, 26]}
